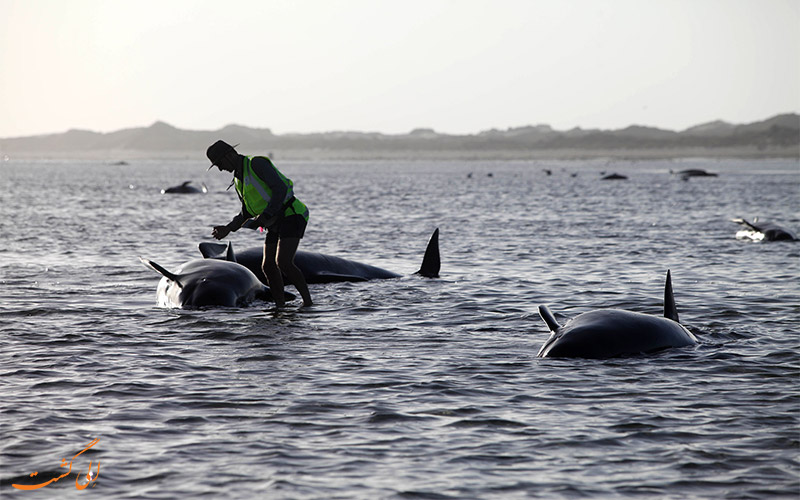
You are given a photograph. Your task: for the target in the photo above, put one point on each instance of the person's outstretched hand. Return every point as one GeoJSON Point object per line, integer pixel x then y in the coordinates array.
{"type": "Point", "coordinates": [220, 232]}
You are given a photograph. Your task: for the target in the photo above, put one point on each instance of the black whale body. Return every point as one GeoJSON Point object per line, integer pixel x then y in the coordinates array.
{"type": "Point", "coordinates": [693, 172]}
{"type": "Point", "coordinates": [203, 283]}
{"type": "Point", "coordinates": [322, 268]}
{"type": "Point", "coordinates": [609, 333]}
{"type": "Point", "coordinates": [184, 188]}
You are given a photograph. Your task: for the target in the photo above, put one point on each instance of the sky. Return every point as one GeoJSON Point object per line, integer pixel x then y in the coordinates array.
{"type": "Point", "coordinates": [390, 66]}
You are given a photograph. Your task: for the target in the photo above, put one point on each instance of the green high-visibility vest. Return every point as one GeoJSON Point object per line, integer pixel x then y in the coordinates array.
{"type": "Point", "coordinates": [256, 194]}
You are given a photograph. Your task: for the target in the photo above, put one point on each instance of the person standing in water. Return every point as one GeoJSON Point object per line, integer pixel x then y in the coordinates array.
{"type": "Point", "coordinates": [266, 195]}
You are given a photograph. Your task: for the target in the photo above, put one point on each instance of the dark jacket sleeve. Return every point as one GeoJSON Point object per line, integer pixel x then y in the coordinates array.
{"type": "Point", "coordinates": [239, 219]}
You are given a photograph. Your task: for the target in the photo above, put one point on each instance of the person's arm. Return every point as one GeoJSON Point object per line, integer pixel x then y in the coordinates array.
{"type": "Point", "coordinates": [234, 225]}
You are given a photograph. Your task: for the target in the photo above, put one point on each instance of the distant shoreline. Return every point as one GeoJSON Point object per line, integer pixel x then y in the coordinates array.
{"type": "Point", "coordinates": [410, 154]}
{"type": "Point", "coordinates": [776, 137]}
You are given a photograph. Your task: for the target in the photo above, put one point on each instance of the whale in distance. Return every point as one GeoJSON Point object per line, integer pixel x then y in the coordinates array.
{"type": "Point", "coordinates": [763, 231]}
{"type": "Point", "coordinates": [692, 172]}
{"type": "Point", "coordinates": [204, 283]}
{"type": "Point", "coordinates": [185, 188]}
{"type": "Point", "coordinates": [322, 268]}
{"type": "Point", "coordinates": [609, 333]}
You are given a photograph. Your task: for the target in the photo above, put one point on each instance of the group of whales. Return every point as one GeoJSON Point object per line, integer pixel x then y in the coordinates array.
{"type": "Point", "coordinates": [227, 278]}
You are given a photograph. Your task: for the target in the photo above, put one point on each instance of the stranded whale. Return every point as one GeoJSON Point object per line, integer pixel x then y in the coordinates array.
{"type": "Point", "coordinates": [185, 188]}
{"type": "Point", "coordinates": [608, 333]}
{"type": "Point", "coordinates": [202, 282]}
{"type": "Point", "coordinates": [321, 268]}
{"type": "Point", "coordinates": [692, 172]}
{"type": "Point", "coordinates": [763, 230]}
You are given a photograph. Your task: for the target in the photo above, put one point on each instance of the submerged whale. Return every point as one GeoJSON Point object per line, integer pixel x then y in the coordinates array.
{"type": "Point", "coordinates": [185, 188]}
{"type": "Point", "coordinates": [763, 230]}
{"type": "Point", "coordinates": [608, 333]}
{"type": "Point", "coordinates": [693, 172]}
{"type": "Point", "coordinates": [321, 268]}
{"type": "Point", "coordinates": [201, 282]}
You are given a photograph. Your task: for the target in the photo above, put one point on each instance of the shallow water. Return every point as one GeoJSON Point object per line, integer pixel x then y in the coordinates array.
{"type": "Point", "coordinates": [411, 387]}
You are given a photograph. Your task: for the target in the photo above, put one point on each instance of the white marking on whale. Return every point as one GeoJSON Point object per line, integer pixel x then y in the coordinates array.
{"type": "Point", "coordinates": [763, 231]}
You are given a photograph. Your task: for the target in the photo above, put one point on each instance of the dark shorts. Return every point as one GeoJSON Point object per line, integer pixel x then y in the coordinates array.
{"type": "Point", "coordinates": [293, 226]}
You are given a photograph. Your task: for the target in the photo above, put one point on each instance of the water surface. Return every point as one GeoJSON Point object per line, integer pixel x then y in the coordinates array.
{"type": "Point", "coordinates": [411, 387]}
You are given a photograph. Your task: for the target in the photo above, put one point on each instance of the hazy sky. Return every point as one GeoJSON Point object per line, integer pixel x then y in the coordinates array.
{"type": "Point", "coordinates": [458, 66]}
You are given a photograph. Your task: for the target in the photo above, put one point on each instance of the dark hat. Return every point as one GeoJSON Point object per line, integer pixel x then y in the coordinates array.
{"type": "Point", "coordinates": [217, 151]}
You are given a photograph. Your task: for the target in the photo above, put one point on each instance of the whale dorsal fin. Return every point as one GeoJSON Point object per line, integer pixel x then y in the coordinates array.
{"type": "Point", "coordinates": [431, 262]}
{"type": "Point", "coordinates": [548, 318]}
{"type": "Point", "coordinates": [160, 270]}
{"type": "Point", "coordinates": [222, 251]}
{"type": "Point", "coordinates": [670, 311]}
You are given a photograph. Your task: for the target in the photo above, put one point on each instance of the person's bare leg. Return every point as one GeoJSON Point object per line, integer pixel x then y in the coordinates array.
{"type": "Point", "coordinates": [286, 250]}
{"type": "Point", "coordinates": [270, 267]}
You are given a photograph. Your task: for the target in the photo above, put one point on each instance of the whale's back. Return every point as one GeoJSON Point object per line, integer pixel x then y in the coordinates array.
{"type": "Point", "coordinates": [608, 333]}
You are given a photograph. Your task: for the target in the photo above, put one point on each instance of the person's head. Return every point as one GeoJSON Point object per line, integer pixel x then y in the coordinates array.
{"type": "Point", "coordinates": [222, 155]}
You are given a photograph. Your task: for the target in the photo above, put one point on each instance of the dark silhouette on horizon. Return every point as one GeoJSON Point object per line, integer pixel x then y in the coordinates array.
{"type": "Point", "coordinates": [778, 136]}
